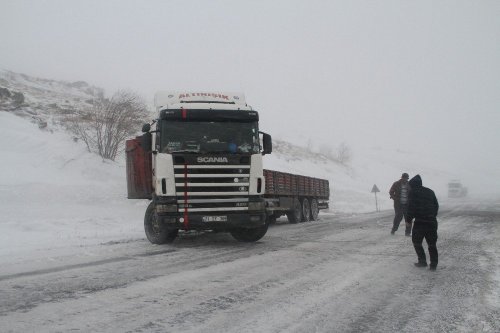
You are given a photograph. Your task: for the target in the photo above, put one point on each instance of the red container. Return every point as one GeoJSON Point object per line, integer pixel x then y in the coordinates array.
{"type": "Point", "coordinates": [139, 170]}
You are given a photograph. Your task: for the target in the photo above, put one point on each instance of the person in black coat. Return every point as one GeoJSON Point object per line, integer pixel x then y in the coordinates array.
{"type": "Point", "coordinates": [423, 207]}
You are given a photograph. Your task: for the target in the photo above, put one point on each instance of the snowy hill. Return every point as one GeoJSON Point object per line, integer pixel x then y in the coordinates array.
{"type": "Point", "coordinates": [45, 102]}
{"type": "Point", "coordinates": [53, 193]}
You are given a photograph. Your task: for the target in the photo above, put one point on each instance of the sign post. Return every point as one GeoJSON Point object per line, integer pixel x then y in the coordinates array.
{"type": "Point", "coordinates": [375, 190]}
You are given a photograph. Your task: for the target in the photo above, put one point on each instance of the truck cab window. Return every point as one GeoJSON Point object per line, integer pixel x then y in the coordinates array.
{"type": "Point", "coordinates": [209, 137]}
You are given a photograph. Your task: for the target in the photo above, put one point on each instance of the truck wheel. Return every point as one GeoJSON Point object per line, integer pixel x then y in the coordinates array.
{"type": "Point", "coordinates": [249, 234]}
{"type": "Point", "coordinates": [295, 215]}
{"type": "Point", "coordinates": [271, 219]}
{"type": "Point", "coordinates": [314, 210]}
{"type": "Point", "coordinates": [156, 232]}
{"type": "Point", "coordinates": [306, 210]}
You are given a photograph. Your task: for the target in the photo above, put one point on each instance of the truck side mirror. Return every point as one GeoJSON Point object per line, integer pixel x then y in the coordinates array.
{"type": "Point", "coordinates": [146, 128]}
{"type": "Point", "coordinates": [267, 142]}
{"type": "Point", "coordinates": [146, 142]}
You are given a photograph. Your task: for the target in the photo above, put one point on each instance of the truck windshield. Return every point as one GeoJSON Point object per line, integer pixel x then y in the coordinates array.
{"type": "Point", "coordinates": [209, 137]}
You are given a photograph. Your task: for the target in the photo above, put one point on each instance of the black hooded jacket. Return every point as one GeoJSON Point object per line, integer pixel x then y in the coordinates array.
{"type": "Point", "coordinates": [423, 205]}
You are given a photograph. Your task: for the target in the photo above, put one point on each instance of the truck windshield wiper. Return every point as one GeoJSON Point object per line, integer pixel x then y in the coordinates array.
{"type": "Point", "coordinates": [215, 152]}
{"type": "Point", "coordinates": [185, 151]}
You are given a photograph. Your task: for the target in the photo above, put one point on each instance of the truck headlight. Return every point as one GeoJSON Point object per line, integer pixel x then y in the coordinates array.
{"type": "Point", "coordinates": [160, 209]}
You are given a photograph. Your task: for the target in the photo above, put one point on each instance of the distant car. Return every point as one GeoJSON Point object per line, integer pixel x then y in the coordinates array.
{"type": "Point", "coordinates": [456, 189]}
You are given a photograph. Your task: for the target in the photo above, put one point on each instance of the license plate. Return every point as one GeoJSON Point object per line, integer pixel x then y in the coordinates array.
{"type": "Point", "coordinates": [214, 218]}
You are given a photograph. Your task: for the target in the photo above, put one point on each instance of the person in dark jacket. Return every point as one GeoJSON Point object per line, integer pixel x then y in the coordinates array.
{"type": "Point", "coordinates": [423, 207]}
{"type": "Point", "coordinates": [399, 193]}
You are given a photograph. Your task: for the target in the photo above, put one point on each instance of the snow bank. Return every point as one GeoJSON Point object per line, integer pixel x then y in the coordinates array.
{"type": "Point", "coordinates": [53, 193]}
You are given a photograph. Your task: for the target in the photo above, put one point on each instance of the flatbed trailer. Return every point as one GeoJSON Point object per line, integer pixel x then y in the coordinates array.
{"type": "Point", "coordinates": [298, 197]}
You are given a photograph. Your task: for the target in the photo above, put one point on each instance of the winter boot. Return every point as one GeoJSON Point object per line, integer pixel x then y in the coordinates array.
{"type": "Point", "coordinates": [420, 264]}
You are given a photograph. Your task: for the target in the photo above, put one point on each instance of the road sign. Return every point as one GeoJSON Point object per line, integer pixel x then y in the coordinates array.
{"type": "Point", "coordinates": [375, 190]}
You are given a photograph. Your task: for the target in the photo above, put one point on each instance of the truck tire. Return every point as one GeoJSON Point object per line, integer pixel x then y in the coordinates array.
{"type": "Point", "coordinates": [314, 210]}
{"type": "Point", "coordinates": [306, 210]}
{"type": "Point", "coordinates": [156, 232]}
{"type": "Point", "coordinates": [249, 234]}
{"type": "Point", "coordinates": [271, 219]}
{"type": "Point", "coordinates": [295, 215]}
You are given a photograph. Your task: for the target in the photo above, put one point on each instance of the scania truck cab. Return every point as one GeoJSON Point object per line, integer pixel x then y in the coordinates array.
{"type": "Point", "coordinates": [205, 153]}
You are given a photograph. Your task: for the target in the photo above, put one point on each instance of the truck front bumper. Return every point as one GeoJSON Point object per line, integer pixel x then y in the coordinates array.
{"type": "Point", "coordinates": [221, 221]}
{"type": "Point", "coordinates": [169, 213]}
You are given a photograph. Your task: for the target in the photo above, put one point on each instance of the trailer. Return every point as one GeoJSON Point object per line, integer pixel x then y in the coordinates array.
{"type": "Point", "coordinates": [298, 197]}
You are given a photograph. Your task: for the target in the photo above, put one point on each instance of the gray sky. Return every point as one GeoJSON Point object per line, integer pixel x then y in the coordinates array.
{"type": "Point", "coordinates": [415, 75]}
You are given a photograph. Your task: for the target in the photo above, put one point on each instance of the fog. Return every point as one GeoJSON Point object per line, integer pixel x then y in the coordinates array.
{"type": "Point", "coordinates": [416, 76]}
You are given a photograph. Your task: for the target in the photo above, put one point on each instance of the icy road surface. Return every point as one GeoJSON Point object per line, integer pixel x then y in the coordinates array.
{"type": "Point", "coordinates": [340, 274]}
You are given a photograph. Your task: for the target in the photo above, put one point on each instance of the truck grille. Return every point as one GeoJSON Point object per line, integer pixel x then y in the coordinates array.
{"type": "Point", "coordinates": [212, 188]}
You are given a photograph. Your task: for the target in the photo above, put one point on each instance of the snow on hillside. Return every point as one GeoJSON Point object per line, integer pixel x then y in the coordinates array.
{"type": "Point", "coordinates": [53, 193]}
{"type": "Point", "coordinates": [45, 102]}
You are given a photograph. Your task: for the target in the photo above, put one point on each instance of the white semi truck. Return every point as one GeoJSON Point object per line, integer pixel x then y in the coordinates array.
{"type": "Point", "coordinates": [200, 163]}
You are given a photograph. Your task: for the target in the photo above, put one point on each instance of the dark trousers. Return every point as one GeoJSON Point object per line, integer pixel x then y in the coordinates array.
{"type": "Point", "coordinates": [427, 230]}
{"type": "Point", "coordinates": [400, 212]}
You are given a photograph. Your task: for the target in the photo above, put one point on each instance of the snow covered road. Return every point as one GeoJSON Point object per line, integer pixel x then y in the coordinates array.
{"type": "Point", "coordinates": [340, 274]}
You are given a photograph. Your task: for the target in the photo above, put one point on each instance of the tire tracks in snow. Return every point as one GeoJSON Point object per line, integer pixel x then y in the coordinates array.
{"type": "Point", "coordinates": [24, 291]}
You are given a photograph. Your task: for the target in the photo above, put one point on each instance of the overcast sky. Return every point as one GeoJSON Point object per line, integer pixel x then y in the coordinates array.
{"type": "Point", "coordinates": [413, 75]}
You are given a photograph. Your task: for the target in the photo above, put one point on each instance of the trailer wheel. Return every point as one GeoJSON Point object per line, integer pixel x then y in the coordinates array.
{"type": "Point", "coordinates": [156, 232]}
{"type": "Point", "coordinates": [314, 210]}
{"type": "Point", "coordinates": [295, 215]}
{"type": "Point", "coordinates": [249, 234]}
{"type": "Point", "coordinates": [306, 210]}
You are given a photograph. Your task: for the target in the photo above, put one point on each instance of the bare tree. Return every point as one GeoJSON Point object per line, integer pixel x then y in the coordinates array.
{"type": "Point", "coordinates": [343, 153]}
{"type": "Point", "coordinates": [106, 125]}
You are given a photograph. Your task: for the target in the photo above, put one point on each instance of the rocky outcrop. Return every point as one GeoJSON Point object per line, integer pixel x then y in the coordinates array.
{"type": "Point", "coordinates": [46, 102]}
